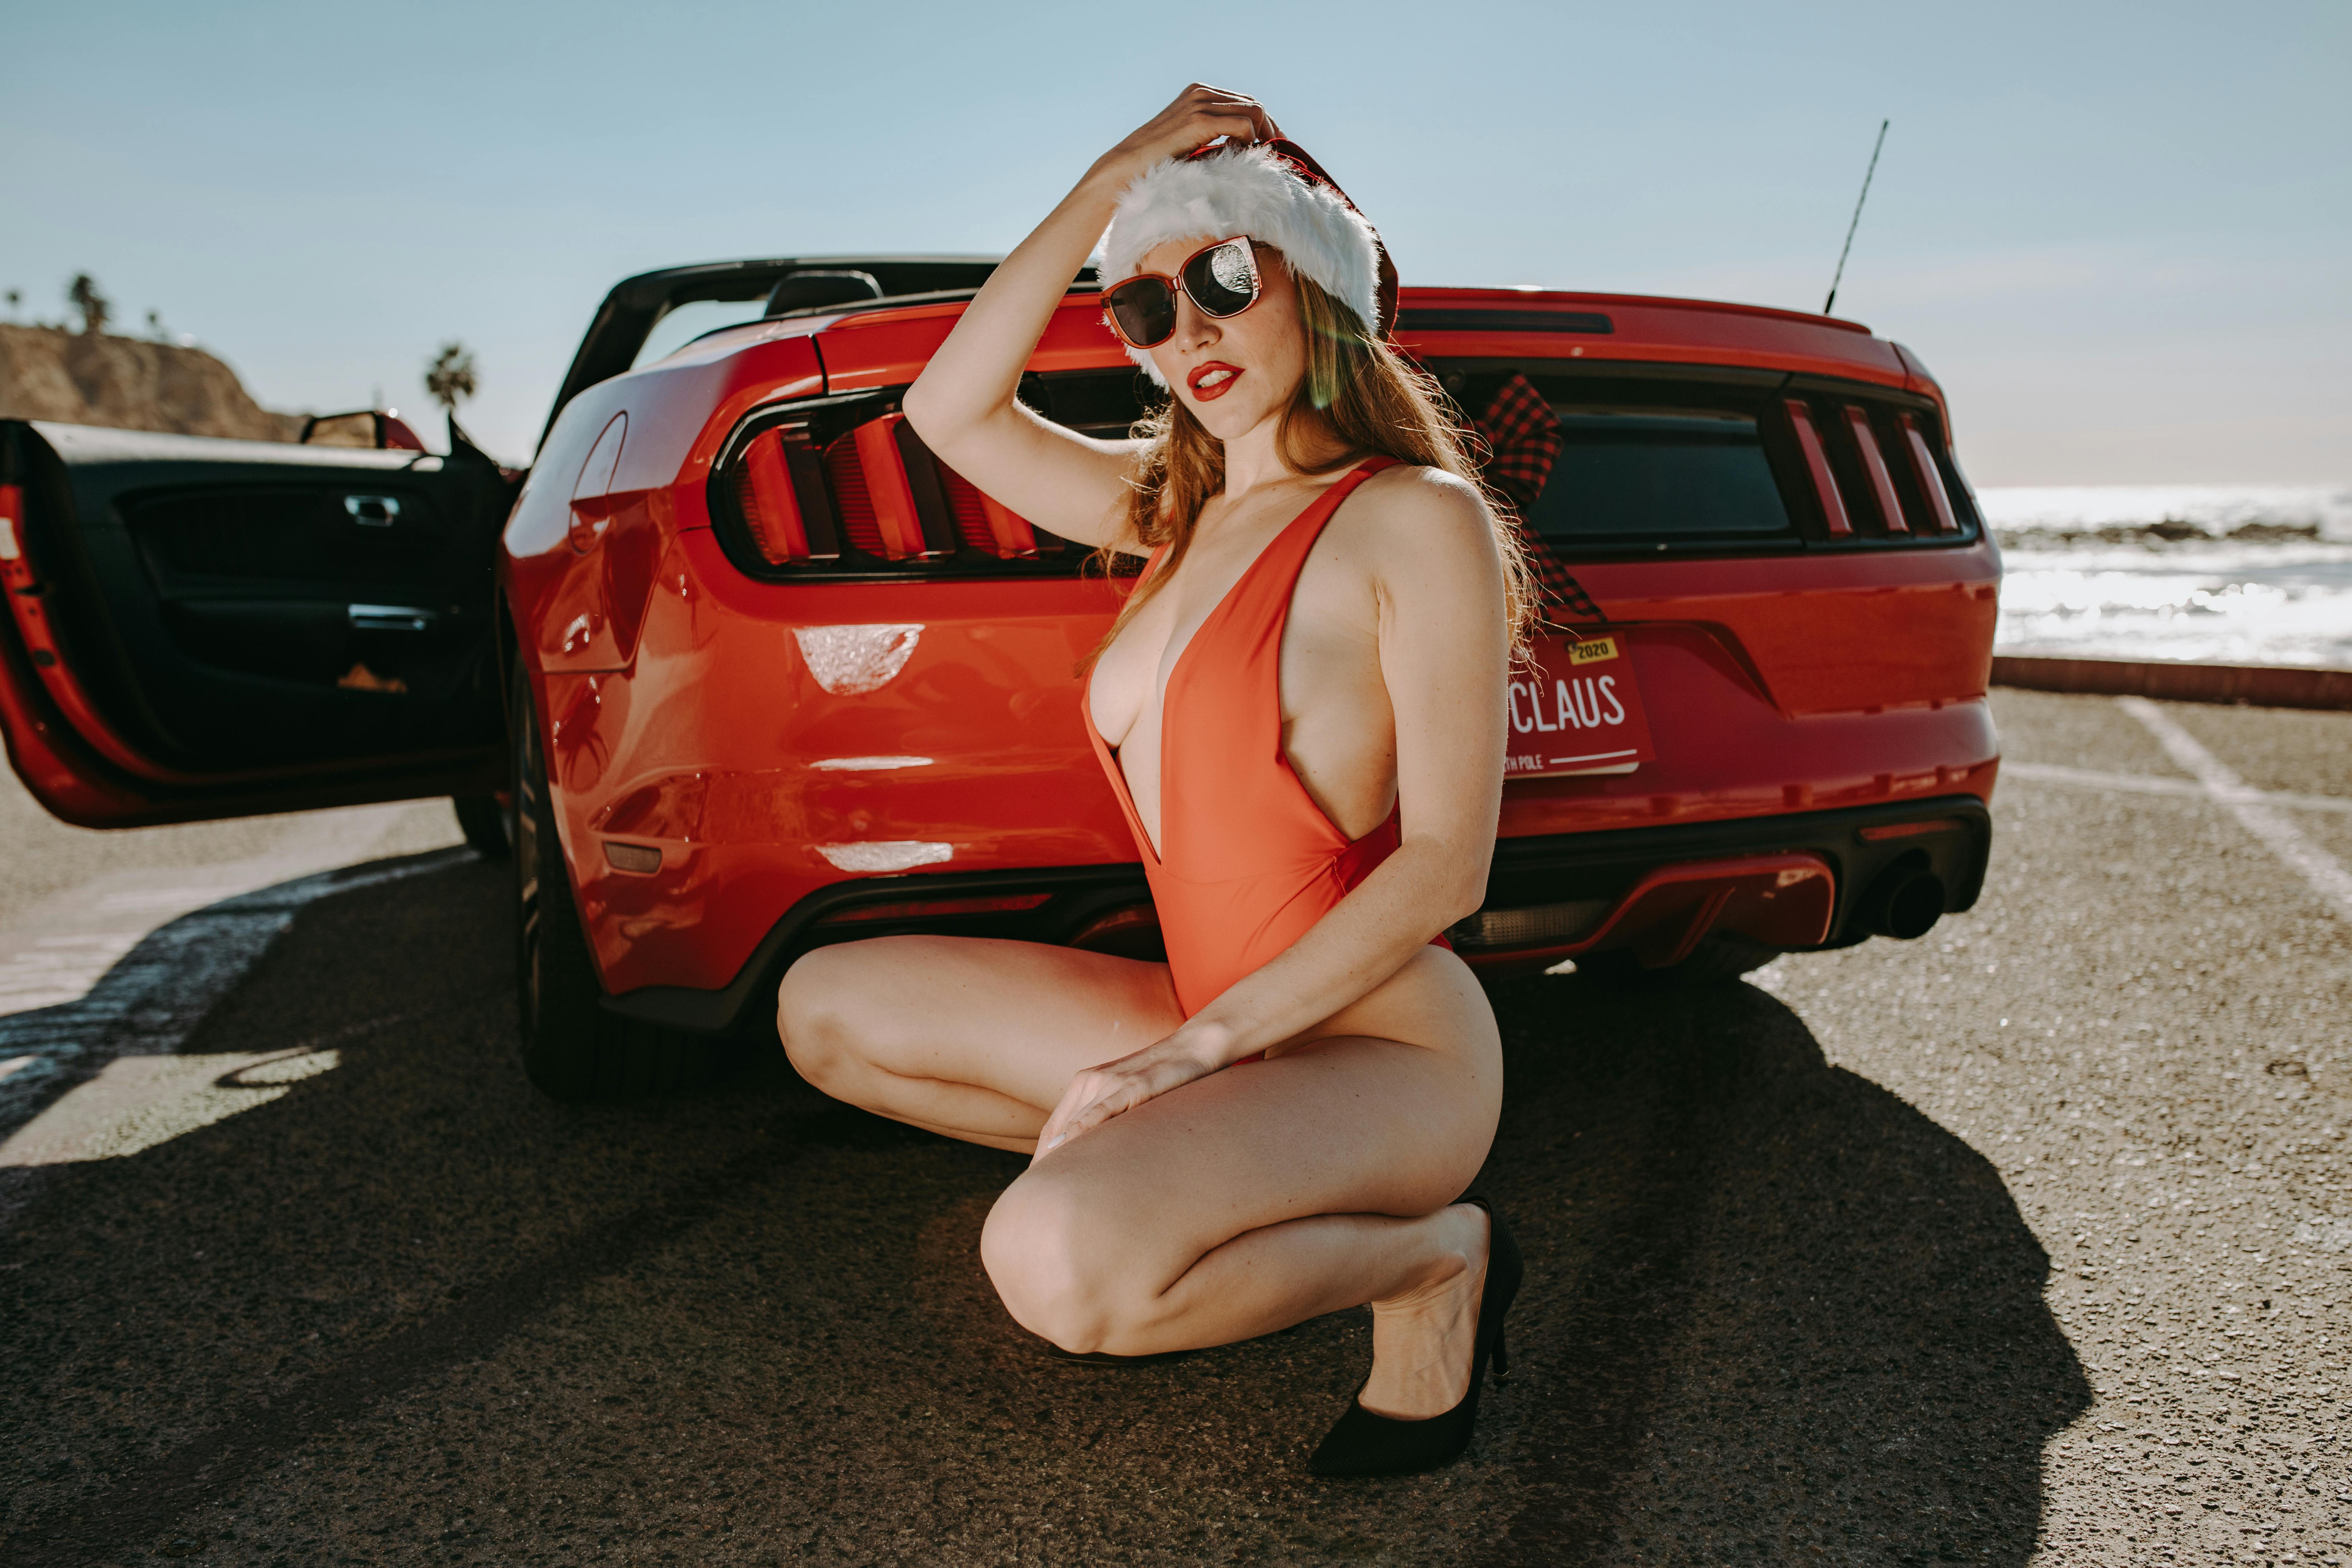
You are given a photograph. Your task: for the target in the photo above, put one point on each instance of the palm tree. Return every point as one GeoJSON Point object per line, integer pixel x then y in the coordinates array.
{"type": "Point", "coordinates": [16, 297]}
{"type": "Point", "coordinates": [82, 292]}
{"type": "Point", "coordinates": [450, 376]}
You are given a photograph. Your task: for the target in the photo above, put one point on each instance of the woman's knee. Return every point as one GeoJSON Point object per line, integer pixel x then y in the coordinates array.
{"type": "Point", "coordinates": [1064, 1268]}
{"type": "Point", "coordinates": [821, 1015]}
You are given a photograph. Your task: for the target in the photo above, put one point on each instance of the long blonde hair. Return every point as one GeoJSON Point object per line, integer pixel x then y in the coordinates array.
{"type": "Point", "coordinates": [1358, 398]}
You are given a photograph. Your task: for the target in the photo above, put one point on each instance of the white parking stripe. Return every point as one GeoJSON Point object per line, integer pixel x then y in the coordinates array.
{"type": "Point", "coordinates": [2252, 810]}
{"type": "Point", "coordinates": [2149, 783]}
{"type": "Point", "coordinates": [147, 1002]}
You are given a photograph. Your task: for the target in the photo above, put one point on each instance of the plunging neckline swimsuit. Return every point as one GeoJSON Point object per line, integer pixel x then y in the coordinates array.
{"type": "Point", "coordinates": [1247, 861]}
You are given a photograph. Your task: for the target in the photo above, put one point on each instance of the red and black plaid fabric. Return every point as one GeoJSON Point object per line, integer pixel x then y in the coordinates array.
{"type": "Point", "coordinates": [1522, 439]}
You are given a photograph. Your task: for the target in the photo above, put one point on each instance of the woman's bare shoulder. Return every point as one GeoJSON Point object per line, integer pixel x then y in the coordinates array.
{"type": "Point", "coordinates": [1408, 520]}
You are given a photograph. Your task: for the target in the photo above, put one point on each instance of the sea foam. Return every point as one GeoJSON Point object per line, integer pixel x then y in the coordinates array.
{"type": "Point", "coordinates": [2232, 575]}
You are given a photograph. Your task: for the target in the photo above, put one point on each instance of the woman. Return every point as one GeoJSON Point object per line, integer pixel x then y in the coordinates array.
{"type": "Point", "coordinates": [1300, 708]}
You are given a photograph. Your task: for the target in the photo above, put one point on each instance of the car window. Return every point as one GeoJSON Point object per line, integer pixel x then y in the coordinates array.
{"type": "Point", "coordinates": [1601, 456]}
{"type": "Point", "coordinates": [691, 321]}
{"type": "Point", "coordinates": [1644, 472]}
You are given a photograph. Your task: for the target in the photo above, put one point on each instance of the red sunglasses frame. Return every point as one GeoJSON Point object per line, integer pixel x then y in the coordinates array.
{"type": "Point", "coordinates": [1176, 286]}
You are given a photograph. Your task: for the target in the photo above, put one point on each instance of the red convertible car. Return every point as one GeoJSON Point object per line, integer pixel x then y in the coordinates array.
{"type": "Point", "coordinates": [744, 668]}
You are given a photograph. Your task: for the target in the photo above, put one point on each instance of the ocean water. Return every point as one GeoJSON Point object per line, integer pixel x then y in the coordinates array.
{"type": "Point", "coordinates": [2230, 574]}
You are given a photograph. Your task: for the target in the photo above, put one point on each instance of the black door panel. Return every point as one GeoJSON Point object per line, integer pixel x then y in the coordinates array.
{"type": "Point", "coordinates": [236, 606]}
{"type": "Point", "coordinates": [361, 527]}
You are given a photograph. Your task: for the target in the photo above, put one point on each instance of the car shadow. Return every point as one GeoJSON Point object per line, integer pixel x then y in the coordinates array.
{"type": "Point", "coordinates": [1769, 1307]}
{"type": "Point", "coordinates": [152, 999]}
{"type": "Point", "coordinates": [1773, 1310]}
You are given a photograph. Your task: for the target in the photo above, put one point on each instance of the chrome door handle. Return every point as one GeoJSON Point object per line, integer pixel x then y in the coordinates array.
{"type": "Point", "coordinates": [372, 512]}
{"type": "Point", "coordinates": [392, 618]}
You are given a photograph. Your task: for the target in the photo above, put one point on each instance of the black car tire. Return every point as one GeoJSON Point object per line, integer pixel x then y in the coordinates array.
{"type": "Point", "coordinates": [573, 1048]}
{"type": "Point", "coordinates": [483, 819]}
{"type": "Point", "coordinates": [1719, 958]}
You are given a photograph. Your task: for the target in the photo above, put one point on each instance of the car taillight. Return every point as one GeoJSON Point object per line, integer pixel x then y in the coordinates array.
{"type": "Point", "coordinates": [879, 490]}
{"type": "Point", "coordinates": [1817, 463]}
{"type": "Point", "coordinates": [845, 488]}
{"type": "Point", "coordinates": [902, 481]}
{"type": "Point", "coordinates": [986, 525]}
{"type": "Point", "coordinates": [783, 500]}
{"type": "Point", "coordinates": [853, 501]}
{"type": "Point", "coordinates": [1878, 469]}
{"type": "Point", "coordinates": [1930, 478]}
{"type": "Point", "coordinates": [1874, 466]}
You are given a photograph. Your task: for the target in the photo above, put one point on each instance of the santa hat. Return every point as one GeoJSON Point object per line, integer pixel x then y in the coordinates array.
{"type": "Point", "coordinates": [1271, 192]}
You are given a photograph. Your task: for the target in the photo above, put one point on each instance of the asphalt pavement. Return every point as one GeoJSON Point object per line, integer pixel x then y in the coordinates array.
{"type": "Point", "coordinates": [2025, 1242]}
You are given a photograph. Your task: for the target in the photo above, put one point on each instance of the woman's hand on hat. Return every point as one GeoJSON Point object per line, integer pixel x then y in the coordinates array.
{"type": "Point", "coordinates": [1199, 115]}
{"type": "Point", "coordinates": [1099, 1093]}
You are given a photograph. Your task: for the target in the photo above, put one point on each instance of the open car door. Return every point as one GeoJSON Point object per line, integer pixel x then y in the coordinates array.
{"type": "Point", "coordinates": [201, 628]}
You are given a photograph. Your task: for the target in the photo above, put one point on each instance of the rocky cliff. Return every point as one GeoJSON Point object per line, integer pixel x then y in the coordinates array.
{"type": "Point", "coordinates": [128, 384]}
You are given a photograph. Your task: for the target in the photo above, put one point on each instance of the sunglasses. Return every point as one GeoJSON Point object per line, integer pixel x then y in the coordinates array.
{"type": "Point", "coordinates": [1220, 280]}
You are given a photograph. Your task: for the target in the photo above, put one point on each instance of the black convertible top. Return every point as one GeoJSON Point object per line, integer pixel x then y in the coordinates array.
{"type": "Point", "coordinates": [792, 286]}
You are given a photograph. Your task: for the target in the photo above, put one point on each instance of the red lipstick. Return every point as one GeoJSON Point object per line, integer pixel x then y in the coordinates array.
{"type": "Point", "coordinates": [1215, 388]}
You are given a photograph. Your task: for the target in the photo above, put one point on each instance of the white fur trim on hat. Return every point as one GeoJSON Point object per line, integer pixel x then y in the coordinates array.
{"type": "Point", "coordinates": [1251, 191]}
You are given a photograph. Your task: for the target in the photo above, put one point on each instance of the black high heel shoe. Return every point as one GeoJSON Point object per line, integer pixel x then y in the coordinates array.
{"type": "Point", "coordinates": [1363, 1444]}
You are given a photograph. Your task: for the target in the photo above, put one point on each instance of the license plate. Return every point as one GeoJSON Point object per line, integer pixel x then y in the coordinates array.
{"type": "Point", "coordinates": [1576, 709]}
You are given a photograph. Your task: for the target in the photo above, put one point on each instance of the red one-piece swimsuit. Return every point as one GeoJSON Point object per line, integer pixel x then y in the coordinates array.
{"type": "Point", "coordinates": [1247, 861]}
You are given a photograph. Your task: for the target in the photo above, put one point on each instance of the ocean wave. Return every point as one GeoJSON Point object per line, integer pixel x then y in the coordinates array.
{"type": "Point", "coordinates": [2168, 514]}
{"type": "Point", "coordinates": [2211, 573]}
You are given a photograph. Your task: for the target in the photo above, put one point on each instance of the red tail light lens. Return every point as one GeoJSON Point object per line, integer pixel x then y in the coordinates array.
{"type": "Point", "coordinates": [985, 525]}
{"type": "Point", "coordinates": [1817, 463]}
{"type": "Point", "coordinates": [1930, 477]}
{"type": "Point", "coordinates": [902, 482]}
{"type": "Point", "coordinates": [1874, 464]}
{"type": "Point", "coordinates": [773, 512]}
{"type": "Point", "coordinates": [850, 497]}
{"type": "Point", "coordinates": [782, 494]}
{"type": "Point", "coordinates": [841, 487]}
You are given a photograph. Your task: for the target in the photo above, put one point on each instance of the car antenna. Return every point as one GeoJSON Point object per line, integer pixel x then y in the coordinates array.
{"type": "Point", "coordinates": [1850, 227]}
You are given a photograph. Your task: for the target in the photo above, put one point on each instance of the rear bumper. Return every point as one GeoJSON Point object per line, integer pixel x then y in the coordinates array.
{"type": "Point", "coordinates": [1796, 880]}
{"type": "Point", "coordinates": [1080, 899]}
{"type": "Point", "coordinates": [1657, 891]}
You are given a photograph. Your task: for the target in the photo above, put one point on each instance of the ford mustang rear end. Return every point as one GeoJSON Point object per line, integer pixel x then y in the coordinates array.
{"type": "Point", "coordinates": [789, 680]}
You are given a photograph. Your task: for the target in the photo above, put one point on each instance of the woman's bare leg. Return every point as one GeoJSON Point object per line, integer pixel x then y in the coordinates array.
{"type": "Point", "coordinates": [1264, 1196]}
{"type": "Point", "coordinates": [1248, 1201]}
{"type": "Point", "coordinates": [969, 1036]}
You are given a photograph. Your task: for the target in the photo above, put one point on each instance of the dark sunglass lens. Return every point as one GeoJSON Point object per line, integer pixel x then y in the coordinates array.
{"type": "Point", "coordinates": [1145, 310]}
{"type": "Point", "coordinates": [1221, 281]}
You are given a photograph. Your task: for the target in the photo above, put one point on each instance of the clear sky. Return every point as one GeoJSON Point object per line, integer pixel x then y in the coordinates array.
{"type": "Point", "coordinates": [2120, 233]}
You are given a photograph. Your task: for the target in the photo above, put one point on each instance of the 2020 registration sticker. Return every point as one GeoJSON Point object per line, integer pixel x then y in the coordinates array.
{"type": "Point", "coordinates": [1575, 708]}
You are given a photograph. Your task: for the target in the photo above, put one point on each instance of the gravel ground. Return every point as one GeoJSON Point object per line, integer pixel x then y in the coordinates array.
{"type": "Point", "coordinates": [2025, 1242]}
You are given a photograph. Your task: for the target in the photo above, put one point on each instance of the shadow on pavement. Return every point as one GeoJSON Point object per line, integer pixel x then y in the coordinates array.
{"type": "Point", "coordinates": [407, 1311]}
{"type": "Point", "coordinates": [1783, 1315]}
{"type": "Point", "coordinates": [150, 999]}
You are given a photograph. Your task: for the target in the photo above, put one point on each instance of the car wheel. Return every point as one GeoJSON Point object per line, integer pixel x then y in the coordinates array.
{"type": "Point", "coordinates": [573, 1048]}
{"type": "Point", "coordinates": [483, 820]}
{"type": "Point", "coordinates": [1720, 957]}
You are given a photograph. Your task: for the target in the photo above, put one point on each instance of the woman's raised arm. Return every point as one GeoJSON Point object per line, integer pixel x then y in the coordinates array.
{"type": "Point", "coordinates": [963, 403]}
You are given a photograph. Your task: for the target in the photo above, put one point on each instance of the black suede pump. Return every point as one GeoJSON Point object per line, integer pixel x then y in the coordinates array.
{"type": "Point", "coordinates": [1363, 1444]}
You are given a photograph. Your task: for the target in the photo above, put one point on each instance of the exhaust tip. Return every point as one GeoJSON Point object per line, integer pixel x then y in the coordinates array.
{"type": "Point", "coordinates": [1905, 904]}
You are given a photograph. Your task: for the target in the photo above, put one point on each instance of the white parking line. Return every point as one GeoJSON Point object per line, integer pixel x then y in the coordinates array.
{"type": "Point", "coordinates": [147, 1001]}
{"type": "Point", "coordinates": [2256, 812]}
{"type": "Point", "coordinates": [2149, 783]}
